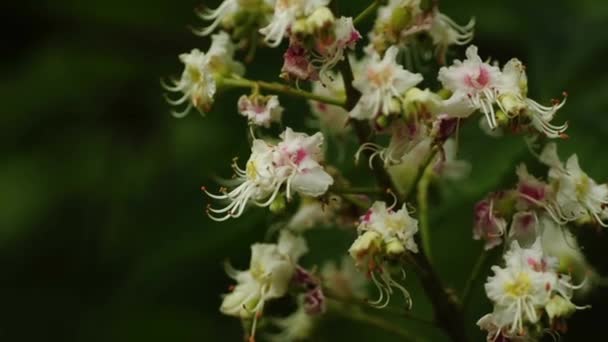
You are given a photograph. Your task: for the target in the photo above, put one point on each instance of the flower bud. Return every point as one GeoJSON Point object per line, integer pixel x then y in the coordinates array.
{"type": "Point", "coordinates": [512, 104]}
{"type": "Point", "coordinates": [394, 248]}
{"type": "Point", "coordinates": [278, 205]}
{"type": "Point", "coordinates": [366, 244]}
{"type": "Point", "coordinates": [301, 28]}
{"type": "Point", "coordinates": [320, 19]}
{"type": "Point", "coordinates": [558, 306]}
{"type": "Point", "coordinates": [400, 19]}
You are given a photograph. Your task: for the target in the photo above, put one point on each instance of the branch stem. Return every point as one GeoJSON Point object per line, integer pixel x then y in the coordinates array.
{"type": "Point", "coordinates": [369, 10]}
{"type": "Point", "coordinates": [280, 89]}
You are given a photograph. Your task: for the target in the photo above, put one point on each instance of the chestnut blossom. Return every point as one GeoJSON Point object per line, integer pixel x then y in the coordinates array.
{"type": "Point", "coordinates": [225, 14]}
{"type": "Point", "coordinates": [298, 326]}
{"type": "Point", "coordinates": [292, 165]}
{"type": "Point", "coordinates": [328, 54]}
{"type": "Point", "coordinates": [384, 233]}
{"type": "Point", "coordinates": [381, 82]}
{"type": "Point", "coordinates": [271, 269]}
{"type": "Point", "coordinates": [514, 101]}
{"type": "Point", "coordinates": [445, 32]}
{"type": "Point", "coordinates": [474, 85]}
{"type": "Point", "coordinates": [286, 12]}
{"type": "Point", "coordinates": [260, 110]}
{"type": "Point", "coordinates": [577, 196]}
{"type": "Point", "coordinates": [297, 63]}
{"type": "Point", "coordinates": [404, 138]}
{"type": "Point", "coordinates": [522, 290]}
{"type": "Point", "coordinates": [198, 81]}
{"type": "Point", "coordinates": [489, 226]}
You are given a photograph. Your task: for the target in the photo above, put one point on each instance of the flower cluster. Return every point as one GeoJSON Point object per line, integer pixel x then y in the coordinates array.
{"type": "Point", "coordinates": [291, 165]}
{"type": "Point", "coordinates": [399, 21]}
{"type": "Point", "coordinates": [198, 83]}
{"type": "Point", "coordinates": [406, 117]}
{"type": "Point", "coordinates": [526, 292]}
{"type": "Point", "coordinates": [384, 234]}
{"type": "Point", "coordinates": [543, 257]}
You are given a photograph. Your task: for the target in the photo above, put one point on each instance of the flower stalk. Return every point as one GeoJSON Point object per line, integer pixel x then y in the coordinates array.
{"type": "Point", "coordinates": [279, 89]}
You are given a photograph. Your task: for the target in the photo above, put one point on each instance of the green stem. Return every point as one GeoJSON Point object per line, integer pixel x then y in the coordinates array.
{"type": "Point", "coordinates": [466, 293]}
{"type": "Point", "coordinates": [279, 88]}
{"type": "Point", "coordinates": [423, 211]}
{"type": "Point", "coordinates": [369, 10]}
{"type": "Point", "coordinates": [356, 314]}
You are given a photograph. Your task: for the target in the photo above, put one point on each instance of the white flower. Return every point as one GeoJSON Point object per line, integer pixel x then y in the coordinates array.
{"type": "Point", "coordinates": [514, 101]}
{"type": "Point", "coordinates": [409, 140]}
{"type": "Point", "coordinates": [577, 196]}
{"type": "Point", "coordinates": [445, 32]}
{"type": "Point", "coordinates": [521, 288]}
{"type": "Point", "coordinates": [474, 85]}
{"type": "Point", "coordinates": [328, 55]}
{"type": "Point", "coordinates": [380, 82]}
{"type": "Point", "coordinates": [224, 14]}
{"type": "Point", "coordinates": [270, 271]}
{"type": "Point", "coordinates": [395, 229]}
{"type": "Point", "coordinates": [294, 162]}
{"type": "Point", "coordinates": [312, 213]}
{"type": "Point", "coordinates": [260, 110]}
{"type": "Point", "coordinates": [285, 14]}
{"type": "Point", "coordinates": [296, 327]}
{"type": "Point", "coordinates": [197, 83]}
{"type": "Point", "coordinates": [384, 233]}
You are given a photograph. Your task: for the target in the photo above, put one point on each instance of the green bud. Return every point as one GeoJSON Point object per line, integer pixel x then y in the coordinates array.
{"type": "Point", "coordinates": [444, 94]}
{"type": "Point", "coordinates": [394, 248]}
{"type": "Point", "coordinates": [382, 121]}
{"type": "Point", "coordinates": [278, 205]}
{"type": "Point", "coordinates": [400, 19]}
{"type": "Point", "coordinates": [501, 118]}
{"type": "Point", "coordinates": [558, 306]}
{"type": "Point", "coordinates": [512, 104]}
{"type": "Point", "coordinates": [300, 28]}
{"type": "Point", "coordinates": [320, 19]}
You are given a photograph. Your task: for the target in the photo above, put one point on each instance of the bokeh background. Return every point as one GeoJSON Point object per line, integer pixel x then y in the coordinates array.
{"type": "Point", "coordinates": [103, 235]}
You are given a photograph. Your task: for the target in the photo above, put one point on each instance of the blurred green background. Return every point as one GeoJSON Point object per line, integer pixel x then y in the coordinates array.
{"type": "Point", "coordinates": [103, 235]}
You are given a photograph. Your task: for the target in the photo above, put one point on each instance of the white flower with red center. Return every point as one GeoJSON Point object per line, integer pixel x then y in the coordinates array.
{"type": "Point", "coordinates": [381, 81]}
{"type": "Point", "coordinates": [474, 84]}
{"type": "Point", "coordinates": [270, 272]}
{"type": "Point", "coordinates": [286, 12]}
{"type": "Point", "coordinates": [260, 110]}
{"type": "Point", "coordinates": [198, 80]}
{"type": "Point", "coordinates": [293, 163]}
{"type": "Point", "coordinates": [489, 226]}
{"type": "Point", "coordinates": [577, 196]}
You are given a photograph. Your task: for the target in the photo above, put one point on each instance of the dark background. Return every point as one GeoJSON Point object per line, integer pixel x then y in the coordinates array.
{"type": "Point", "coordinates": [103, 235]}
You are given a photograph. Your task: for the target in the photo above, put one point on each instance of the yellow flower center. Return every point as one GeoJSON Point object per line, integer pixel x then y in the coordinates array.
{"type": "Point", "coordinates": [252, 171]}
{"type": "Point", "coordinates": [583, 186]}
{"type": "Point", "coordinates": [520, 286]}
